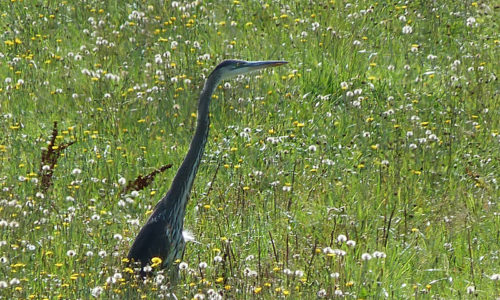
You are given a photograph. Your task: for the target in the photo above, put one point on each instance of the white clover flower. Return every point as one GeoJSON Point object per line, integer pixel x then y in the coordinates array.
{"type": "Point", "coordinates": [118, 236]}
{"type": "Point", "coordinates": [217, 258]}
{"type": "Point", "coordinates": [202, 265]}
{"type": "Point", "coordinates": [71, 253]}
{"type": "Point", "coordinates": [352, 243]}
{"type": "Point", "coordinates": [3, 284]}
{"type": "Point", "coordinates": [312, 148]}
{"type": "Point", "coordinates": [344, 85]}
{"type": "Point", "coordinates": [76, 171]}
{"type": "Point", "coordinates": [299, 273]}
{"type": "Point", "coordinates": [183, 266]}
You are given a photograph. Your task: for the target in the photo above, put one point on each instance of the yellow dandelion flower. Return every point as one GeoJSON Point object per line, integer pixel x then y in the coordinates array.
{"type": "Point", "coordinates": [156, 260]}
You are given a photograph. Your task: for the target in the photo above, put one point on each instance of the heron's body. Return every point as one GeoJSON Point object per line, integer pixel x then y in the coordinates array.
{"type": "Point", "coordinates": [161, 236]}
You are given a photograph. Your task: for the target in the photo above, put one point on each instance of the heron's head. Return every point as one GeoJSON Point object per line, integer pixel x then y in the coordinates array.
{"type": "Point", "coordinates": [231, 68]}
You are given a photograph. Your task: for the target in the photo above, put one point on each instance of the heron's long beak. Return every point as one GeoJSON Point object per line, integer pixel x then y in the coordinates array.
{"type": "Point", "coordinates": [255, 65]}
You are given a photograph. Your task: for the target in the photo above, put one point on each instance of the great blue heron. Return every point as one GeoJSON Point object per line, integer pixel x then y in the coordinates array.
{"type": "Point", "coordinates": [162, 236]}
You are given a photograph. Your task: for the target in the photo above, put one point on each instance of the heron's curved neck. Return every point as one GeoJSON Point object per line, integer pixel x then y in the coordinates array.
{"type": "Point", "coordinates": [183, 180]}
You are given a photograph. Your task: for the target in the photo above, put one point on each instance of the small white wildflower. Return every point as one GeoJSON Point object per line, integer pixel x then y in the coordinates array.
{"type": "Point", "coordinates": [495, 277]}
{"type": "Point", "coordinates": [3, 284]}
{"type": "Point", "coordinates": [471, 21]}
{"type": "Point", "coordinates": [249, 258]}
{"type": "Point", "coordinates": [217, 258]}
{"type": "Point", "coordinates": [76, 171]}
{"type": "Point", "coordinates": [407, 29]}
{"type": "Point", "coordinates": [102, 253]}
{"type": "Point", "coordinates": [199, 296]}
{"type": "Point", "coordinates": [351, 243]}
{"type": "Point", "coordinates": [118, 236]}
{"type": "Point", "coordinates": [344, 85]}
{"type": "Point", "coordinates": [312, 148]}
{"type": "Point", "coordinates": [471, 289]}
{"type": "Point", "coordinates": [379, 254]}
{"type": "Point", "coordinates": [321, 293]}
{"type": "Point", "coordinates": [366, 256]}
{"type": "Point", "coordinates": [335, 275]}
{"type": "Point", "coordinates": [183, 266]}
{"type": "Point", "coordinates": [122, 181]}
{"type": "Point", "coordinates": [341, 238]}
{"type": "Point", "coordinates": [299, 273]}
{"type": "Point", "coordinates": [202, 265]}
{"type": "Point", "coordinates": [159, 278]}
{"type": "Point", "coordinates": [71, 253]}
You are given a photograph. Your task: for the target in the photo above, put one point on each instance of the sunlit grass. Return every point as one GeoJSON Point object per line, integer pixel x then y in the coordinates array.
{"type": "Point", "coordinates": [365, 168]}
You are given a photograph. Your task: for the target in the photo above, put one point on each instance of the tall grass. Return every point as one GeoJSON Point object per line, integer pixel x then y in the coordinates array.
{"type": "Point", "coordinates": [366, 168]}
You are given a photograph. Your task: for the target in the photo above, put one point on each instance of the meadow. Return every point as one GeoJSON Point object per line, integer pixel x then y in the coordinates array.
{"type": "Point", "coordinates": [366, 168]}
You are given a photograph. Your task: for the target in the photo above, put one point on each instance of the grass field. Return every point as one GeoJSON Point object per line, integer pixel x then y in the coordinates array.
{"type": "Point", "coordinates": [366, 168]}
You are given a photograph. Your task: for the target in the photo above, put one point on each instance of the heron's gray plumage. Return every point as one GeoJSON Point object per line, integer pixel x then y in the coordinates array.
{"type": "Point", "coordinates": [161, 236]}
